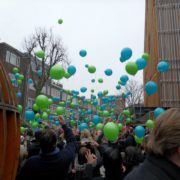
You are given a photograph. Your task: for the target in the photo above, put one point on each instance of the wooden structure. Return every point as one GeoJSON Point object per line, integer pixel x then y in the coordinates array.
{"type": "Point", "coordinates": [162, 41]}
{"type": "Point", "coordinates": [9, 128]}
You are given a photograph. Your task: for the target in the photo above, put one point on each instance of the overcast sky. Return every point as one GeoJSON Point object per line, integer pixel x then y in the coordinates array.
{"type": "Point", "coordinates": [102, 27]}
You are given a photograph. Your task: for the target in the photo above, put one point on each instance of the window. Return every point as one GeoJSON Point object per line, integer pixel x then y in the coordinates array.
{"type": "Point", "coordinates": [64, 96]}
{"type": "Point", "coordinates": [55, 92]}
{"type": "Point", "coordinates": [33, 65]}
{"type": "Point", "coordinates": [30, 102]}
{"type": "Point", "coordinates": [43, 90]}
{"type": "Point", "coordinates": [13, 80]}
{"type": "Point", "coordinates": [12, 58]}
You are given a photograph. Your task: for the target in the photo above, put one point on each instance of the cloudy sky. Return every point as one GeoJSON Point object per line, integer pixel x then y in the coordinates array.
{"type": "Point", "coordinates": [102, 27]}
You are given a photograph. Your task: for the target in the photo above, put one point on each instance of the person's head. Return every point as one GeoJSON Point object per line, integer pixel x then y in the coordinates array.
{"type": "Point", "coordinates": [165, 137]}
{"type": "Point", "coordinates": [37, 135]}
{"type": "Point", "coordinates": [48, 141]}
{"type": "Point", "coordinates": [85, 134]}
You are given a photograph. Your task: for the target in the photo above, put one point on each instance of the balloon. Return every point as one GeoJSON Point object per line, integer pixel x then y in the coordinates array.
{"type": "Point", "coordinates": [86, 65]}
{"type": "Point", "coordinates": [45, 116]}
{"type": "Point", "coordinates": [60, 111]}
{"type": "Point", "coordinates": [100, 80]}
{"type": "Point", "coordinates": [111, 131]}
{"type": "Point", "coordinates": [105, 113]}
{"type": "Point", "coordinates": [20, 108]}
{"type": "Point", "coordinates": [105, 92]}
{"type": "Point", "coordinates": [93, 80]}
{"type": "Point", "coordinates": [19, 82]}
{"type": "Point", "coordinates": [99, 127]}
{"type": "Point", "coordinates": [29, 115]}
{"type": "Point", "coordinates": [22, 130]}
{"type": "Point", "coordinates": [151, 88]}
{"type": "Point", "coordinates": [145, 56]}
{"type": "Point", "coordinates": [83, 126]}
{"type": "Point", "coordinates": [141, 63]}
{"type": "Point", "coordinates": [60, 21]}
{"type": "Point", "coordinates": [149, 123]}
{"type": "Point", "coordinates": [100, 94]}
{"type": "Point", "coordinates": [67, 75]}
{"type": "Point", "coordinates": [82, 53]}
{"type": "Point", "coordinates": [57, 72]}
{"type": "Point", "coordinates": [17, 75]}
{"type": "Point", "coordinates": [108, 72]}
{"type": "Point", "coordinates": [72, 122]}
{"type": "Point", "coordinates": [30, 81]}
{"type": "Point", "coordinates": [62, 103]}
{"type": "Point", "coordinates": [71, 70]}
{"type": "Point", "coordinates": [40, 54]}
{"type": "Point", "coordinates": [124, 78]}
{"type": "Point", "coordinates": [83, 89]}
{"type": "Point", "coordinates": [131, 68]}
{"type": "Point", "coordinates": [139, 131]}
{"type": "Point", "coordinates": [118, 87]}
{"type": "Point", "coordinates": [158, 111]}
{"type": "Point", "coordinates": [15, 70]}
{"type": "Point", "coordinates": [126, 113]}
{"type": "Point", "coordinates": [21, 77]}
{"type": "Point", "coordinates": [34, 125]}
{"type": "Point", "coordinates": [50, 101]}
{"type": "Point", "coordinates": [96, 119]}
{"type": "Point", "coordinates": [126, 53]}
{"type": "Point", "coordinates": [91, 69]}
{"type": "Point", "coordinates": [120, 126]}
{"type": "Point", "coordinates": [18, 94]}
{"type": "Point", "coordinates": [35, 107]}
{"type": "Point", "coordinates": [123, 83]}
{"type": "Point", "coordinates": [37, 116]}
{"type": "Point", "coordinates": [39, 72]}
{"type": "Point", "coordinates": [163, 66]}
{"type": "Point", "coordinates": [138, 140]}
{"type": "Point", "coordinates": [42, 101]}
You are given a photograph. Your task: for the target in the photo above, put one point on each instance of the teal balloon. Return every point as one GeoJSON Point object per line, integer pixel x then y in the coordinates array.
{"type": "Point", "coordinates": [108, 72]}
{"type": "Point", "coordinates": [151, 88]}
{"type": "Point", "coordinates": [163, 67]}
{"type": "Point", "coordinates": [126, 54]}
{"type": "Point", "coordinates": [124, 78]}
{"type": "Point", "coordinates": [141, 63]}
{"type": "Point", "coordinates": [139, 131]}
{"type": "Point", "coordinates": [71, 70]}
{"type": "Point", "coordinates": [158, 111]}
{"type": "Point", "coordinates": [29, 115]}
{"type": "Point", "coordinates": [82, 53]}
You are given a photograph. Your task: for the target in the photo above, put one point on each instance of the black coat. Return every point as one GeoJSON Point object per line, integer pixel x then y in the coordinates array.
{"type": "Point", "coordinates": [155, 168]}
{"type": "Point", "coordinates": [54, 165]}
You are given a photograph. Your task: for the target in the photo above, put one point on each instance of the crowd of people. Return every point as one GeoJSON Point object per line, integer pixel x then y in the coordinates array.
{"type": "Point", "coordinates": [67, 154]}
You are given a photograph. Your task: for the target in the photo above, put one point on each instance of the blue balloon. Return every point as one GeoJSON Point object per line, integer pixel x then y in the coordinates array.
{"type": "Point", "coordinates": [86, 65]}
{"type": "Point", "coordinates": [141, 63]}
{"type": "Point", "coordinates": [100, 94]}
{"type": "Point", "coordinates": [71, 70]}
{"type": "Point", "coordinates": [56, 98]}
{"type": "Point", "coordinates": [57, 123]}
{"type": "Point", "coordinates": [123, 83]}
{"type": "Point", "coordinates": [39, 72]}
{"type": "Point", "coordinates": [139, 131]}
{"type": "Point", "coordinates": [83, 126]}
{"type": "Point", "coordinates": [82, 53]}
{"type": "Point", "coordinates": [126, 53]}
{"type": "Point", "coordinates": [18, 94]}
{"type": "Point", "coordinates": [30, 81]}
{"type": "Point", "coordinates": [151, 88]}
{"type": "Point", "coordinates": [29, 115]}
{"type": "Point", "coordinates": [17, 75]}
{"type": "Point", "coordinates": [96, 119]}
{"type": "Point", "coordinates": [83, 89]}
{"type": "Point", "coordinates": [158, 111]}
{"type": "Point", "coordinates": [118, 87]}
{"type": "Point", "coordinates": [163, 66]}
{"type": "Point", "coordinates": [124, 78]}
{"type": "Point", "coordinates": [121, 59]}
{"type": "Point", "coordinates": [108, 72]}
{"type": "Point", "coordinates": [93, 80]}
{"type": "Point", "coordinates": [13, 81]}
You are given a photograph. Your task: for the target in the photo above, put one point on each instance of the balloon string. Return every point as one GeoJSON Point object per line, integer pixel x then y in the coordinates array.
{"type": "Point", "coordinates": [154, 75]}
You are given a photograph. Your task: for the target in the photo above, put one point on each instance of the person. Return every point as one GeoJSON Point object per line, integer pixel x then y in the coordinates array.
{"type": "Point", "coordinates": [51, 163]}
{"type": "Point", "coordinates": [163, 159]}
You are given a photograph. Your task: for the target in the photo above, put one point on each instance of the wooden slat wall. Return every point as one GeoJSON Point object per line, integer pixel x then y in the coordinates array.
{"type": "Point", "coordinates": [9, 128]}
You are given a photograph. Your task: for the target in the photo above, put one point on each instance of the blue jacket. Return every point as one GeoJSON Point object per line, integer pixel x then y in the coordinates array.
{"type": "Point", "coordinates": [54, 165]}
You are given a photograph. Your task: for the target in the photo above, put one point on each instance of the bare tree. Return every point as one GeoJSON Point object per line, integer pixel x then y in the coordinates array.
{"type": "Point", "coordinates": [135, 91]}
{"type": "Point", "coordinates": [44, 40]}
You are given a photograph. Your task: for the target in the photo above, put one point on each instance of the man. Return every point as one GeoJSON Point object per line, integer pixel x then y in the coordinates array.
{"type": "Point", "coordinates": [163, 161]}
{"type": "Point", "coordinates": [51, 163]}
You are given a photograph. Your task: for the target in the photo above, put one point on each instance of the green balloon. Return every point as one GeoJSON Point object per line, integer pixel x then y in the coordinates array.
{"type": "Point", "coordinates": [146, 56]}
{"type": "Point", "coordinates": [120, 126]}
{"type": "Point", "coordinates": [149, 123]}
{"type": "Point", "coordinates": [62, 103]}
{"type": "Point", "coordinates": [40, 54]}
{"type": "Point", "coordinates": [57, 72]}
{"type": "Point", "coordinates": [111, 131]}
{"type": "Point", "coordinates": [20, 108]}
{"type": "Point", "coordinates": [42, 101]}
{"type": "Point", "coordinates": [119, 82]}
{"type": "Point", "coordinates": [60, 110]}
{"type": "Point", "coordinates": [60, 21]}
{"type": "Point", "coordinates": [131, 68]}
{"type": "Point", "coordinates": [138, 140]}
{"type": "Point", "coordinates": [92, 90]}
{"type": "Point", "coordinates": [15, 70]}
{"type": "Point", "coordinates": [45, 116]}
{"type": "Point", "coordinates": [34, 125]}
{"type": "Point", "coordinates": [105, 113]}
{"type": "Point", "coordinates": [37, 116]}
{"type": "Point", "coordinates": [105, 92]}
{"type": "Point", "coordinates": [91, 69]}
{"type": "Point", "coordinates": [126, 113]}
{"type": "Point", "coordinates": [19, 81]}
{"type": "Point", "coordinates": [99, 127]}
{"type": "Point", "coordinates": [91, 124]}
{"type": "Point", "coordinates": [50, 101]}
{"type": "Point", "coordinates": [21, 77]}
{"type": "Point", "coordinates": [100, 80]}
{"type": "Point", "coordinates": [73, 123]}
{"type": "Point", "coordinates": [35, 107]}
{"type": "Point", "coordinates": [87, 120]}
{"type": "Point", "coordinates": [22, 130]}
{"type": "Point", "coordinates": [128, 119]}
{"type": "Point", "coordinates": [67, 75]}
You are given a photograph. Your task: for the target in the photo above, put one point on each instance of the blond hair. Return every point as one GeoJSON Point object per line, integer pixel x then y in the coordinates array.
{"type": "Point", "coordinates": [165, 137]}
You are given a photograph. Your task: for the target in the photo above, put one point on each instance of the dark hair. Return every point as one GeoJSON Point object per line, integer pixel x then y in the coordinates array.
{"type": "Point", "coordinates": [37, 134]}
{"type": "Point", "coordinates": [48, 141]}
